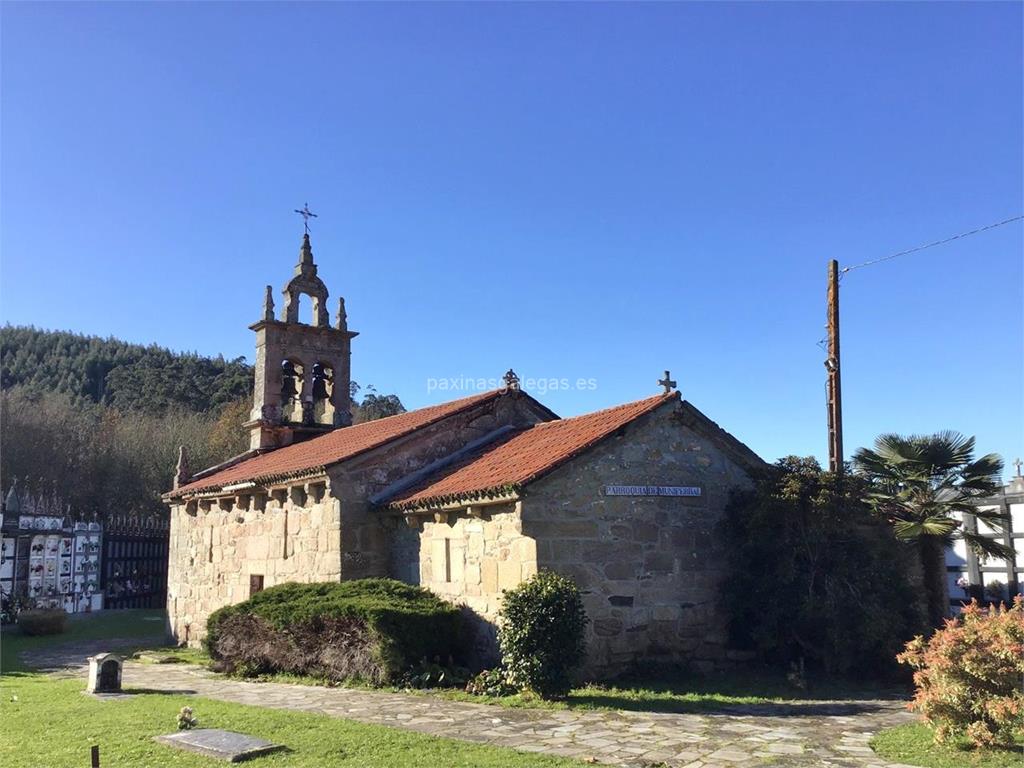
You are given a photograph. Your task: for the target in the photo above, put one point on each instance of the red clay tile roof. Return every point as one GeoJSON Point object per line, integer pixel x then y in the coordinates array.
{"type": "Point", "coordinates": [523, 456]}
{"type": "Point", "coordinates": [331, 448]}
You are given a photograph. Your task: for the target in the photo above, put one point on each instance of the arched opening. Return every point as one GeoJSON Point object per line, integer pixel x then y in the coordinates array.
{"type": "Point", "coordinates": [110, 675]}
{"type": "Point", "coordinates": [305, 304]}
{"type": "Point", "coordinates": [323, 393]}
{"type": "Point", "coordinates": [292, 378]}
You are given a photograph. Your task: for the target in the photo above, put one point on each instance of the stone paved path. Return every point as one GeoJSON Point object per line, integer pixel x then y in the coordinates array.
{"type": "Point", "coordinates": [793, 734]}
{"type": "Point", "coordinates": [58, 658]}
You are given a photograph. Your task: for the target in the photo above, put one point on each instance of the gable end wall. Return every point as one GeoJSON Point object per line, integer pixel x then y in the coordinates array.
{"type": "Point", "coordinates": [649, 567]}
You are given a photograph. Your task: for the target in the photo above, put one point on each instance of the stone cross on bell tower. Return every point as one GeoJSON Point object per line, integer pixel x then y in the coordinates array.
{"type": "Point", "coordinates": [302, 369]}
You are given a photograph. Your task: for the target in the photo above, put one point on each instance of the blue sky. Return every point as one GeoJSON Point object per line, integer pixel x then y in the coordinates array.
{"type": "Point", "coordinates": [579, 191]}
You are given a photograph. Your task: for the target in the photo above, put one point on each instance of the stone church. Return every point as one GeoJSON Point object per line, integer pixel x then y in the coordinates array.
{"type": "Point", "coordinates": [467, 498]}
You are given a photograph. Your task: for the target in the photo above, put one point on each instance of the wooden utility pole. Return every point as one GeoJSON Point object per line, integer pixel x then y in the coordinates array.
{"type": "Point", "coordinates": [833, 387]}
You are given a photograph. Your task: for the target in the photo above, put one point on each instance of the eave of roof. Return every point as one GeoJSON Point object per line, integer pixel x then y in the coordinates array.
{"type": "Point", "coordinates": [312, 457]}
{"type": "Point", "coordinates": [503, 468]}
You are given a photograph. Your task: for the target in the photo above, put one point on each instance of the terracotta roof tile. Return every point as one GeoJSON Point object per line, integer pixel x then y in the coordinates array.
{"type": "Point", "coordinates": [331, 448]}
{"type": "Point", "coordinates": [523, 456]}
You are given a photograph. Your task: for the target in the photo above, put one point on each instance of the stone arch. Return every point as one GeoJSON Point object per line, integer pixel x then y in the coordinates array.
{"type": "Point", "coordinates": [306, 283]}
{"type": "Point", "coordinates": [323, 392]}
{"type": "Point", "coordinates": [305, 312]}
{"type": "Point", "coordinates": [293, 380]}
{"type": "Point", "coordinates": [293, 301]}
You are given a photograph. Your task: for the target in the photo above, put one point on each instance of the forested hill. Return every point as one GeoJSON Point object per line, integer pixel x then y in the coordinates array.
{"type": "Point", "coordinates": [97, 422]}
{"type": "Point", "coordinates": [112, 372]}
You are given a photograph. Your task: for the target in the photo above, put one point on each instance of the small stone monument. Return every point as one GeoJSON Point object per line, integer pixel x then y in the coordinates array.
{"type": "Point", "coordinates": [224, 745]}
{"type": "Point", "coordinates": [104, 673]}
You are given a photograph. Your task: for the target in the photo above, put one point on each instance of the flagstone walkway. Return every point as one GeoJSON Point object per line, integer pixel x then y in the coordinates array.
{"type": "Point", "coordinates": [797, 734]}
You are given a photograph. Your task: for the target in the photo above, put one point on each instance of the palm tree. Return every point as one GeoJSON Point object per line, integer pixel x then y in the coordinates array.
{"type": "Point", "coordinates": [919, 484]}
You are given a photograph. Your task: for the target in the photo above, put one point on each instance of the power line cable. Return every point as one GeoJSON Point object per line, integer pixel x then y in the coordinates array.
{"type": "Point", "coordinates": [844, 270]}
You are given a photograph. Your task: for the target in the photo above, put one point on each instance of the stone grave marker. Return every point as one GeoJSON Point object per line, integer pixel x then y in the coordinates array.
{"type": "Point", "coordinates": [104, 673]}
{"type": "Point", "coordinates": [225, 745]}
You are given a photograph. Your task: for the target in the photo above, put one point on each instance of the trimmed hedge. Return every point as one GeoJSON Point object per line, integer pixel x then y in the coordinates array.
{"type": "Point", "coordinates": [43, 621]}
{"type": "Point", "coordinates": [373, 630]}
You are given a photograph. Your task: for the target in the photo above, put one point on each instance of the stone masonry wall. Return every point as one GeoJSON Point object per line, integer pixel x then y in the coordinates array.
{"type": "Point", "coordinates": [371, 540]}
{"type": "Point", "coordinates": [212, 555]}
{"type": "Point", "coordinates": [649, 567]}
{"type": "Point", "coordinates": [214, 552]}
{"type": "Point", "coordinates": [470, 560]}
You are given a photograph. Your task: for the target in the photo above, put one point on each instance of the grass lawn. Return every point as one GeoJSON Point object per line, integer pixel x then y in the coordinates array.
{"type": "Point", "coordinates": [663, 690]}
{"type": "Point", "coordinates": [658, 689]}
{"type": "Point", "coordinates": [912, 744]}
{"type": "Point", "coordinates": [173, 655]}
{"type": "Point", "coordinates": [49, 722]}
{"type": "Point", "coordinates": [668, 691]}
{"type": "Point", "coordinates": [141, 624]}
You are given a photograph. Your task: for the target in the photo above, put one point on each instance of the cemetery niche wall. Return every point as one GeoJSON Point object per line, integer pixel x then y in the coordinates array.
{"type": "Point", "coordinates": [46, 560]}
{"type": "Point", "coordinates": [50, 560]}
{"type": "Point", "coordinates": [990, 580]}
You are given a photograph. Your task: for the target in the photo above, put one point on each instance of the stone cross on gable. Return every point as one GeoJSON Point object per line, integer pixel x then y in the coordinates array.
{"type": "Point", "coordinates": [1018, 463]}
{"type": "Point", "coordinates": [667, 383]}
{"type": "Point", "coordinates": [511, 380]}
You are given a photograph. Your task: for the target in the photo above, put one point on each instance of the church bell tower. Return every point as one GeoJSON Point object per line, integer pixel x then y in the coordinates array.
{"type": "Point", "coordinates": [302, 369]}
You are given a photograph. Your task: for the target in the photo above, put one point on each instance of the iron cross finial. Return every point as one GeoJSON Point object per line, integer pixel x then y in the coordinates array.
{"type": "Point", "coordinates": [306, 215]}
{"type": "Point", "coordinates": [667, 383]}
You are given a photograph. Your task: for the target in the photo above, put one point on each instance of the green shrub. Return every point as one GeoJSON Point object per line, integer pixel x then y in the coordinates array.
{"type": "Point", "coordinates": [370, 629]}
{"type": "Point", "coordinates": [43, 621]}
{"type": "Point", "coordinates": [816, 577]}
{"type": "Point", "coordinates": [969, 676]}
{"type": "Point", "coordinates": [434, 674]}
{"type": "Point", "coordinates": [491, 682]}
{"type": "Point", "coordinates": [541, 634]}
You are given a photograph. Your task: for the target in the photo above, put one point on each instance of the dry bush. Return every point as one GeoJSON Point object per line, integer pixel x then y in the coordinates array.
{"type": "Point", "coordinates": [374, 630]}
{"type": "Point", "coordinates": [332, 648]}
{"type": "Point", "coordinates": [970, 675]}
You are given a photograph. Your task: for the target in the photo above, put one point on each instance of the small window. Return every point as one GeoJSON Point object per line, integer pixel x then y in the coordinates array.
{"type": "Point", "coordinates": [255, 584]}
{"type": "Point", "coordinates": [441, 560]}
